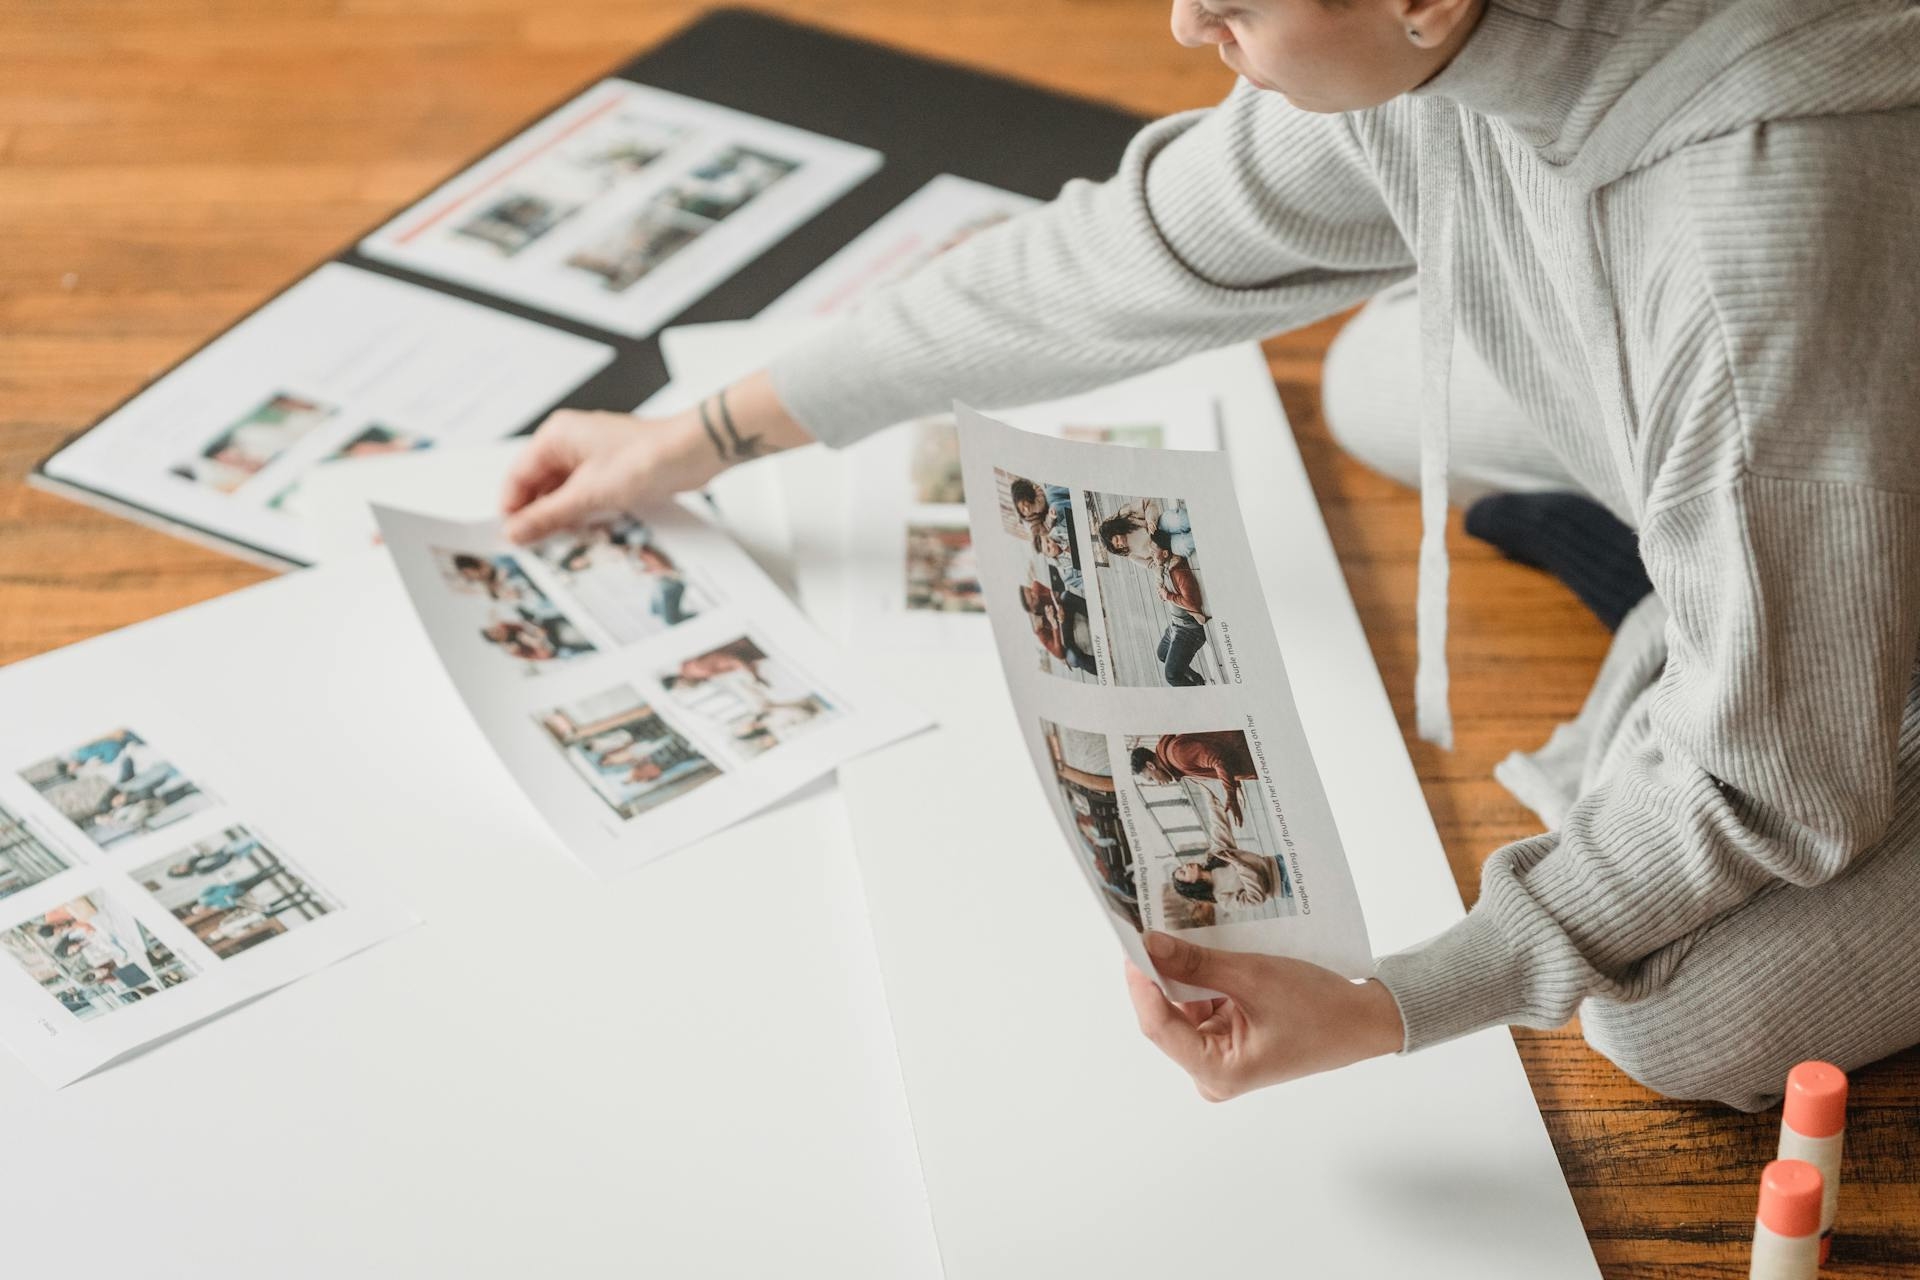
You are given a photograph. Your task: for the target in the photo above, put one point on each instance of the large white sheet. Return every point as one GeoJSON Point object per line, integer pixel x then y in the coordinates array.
{"type": "Point", "coordinates": [1056, 1141]}
{"type": "Point", "coordinates": [685, 1072]}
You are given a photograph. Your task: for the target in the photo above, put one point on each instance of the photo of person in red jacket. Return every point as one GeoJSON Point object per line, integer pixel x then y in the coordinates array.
{"type": "Point", "coordinates": [1221, 756]}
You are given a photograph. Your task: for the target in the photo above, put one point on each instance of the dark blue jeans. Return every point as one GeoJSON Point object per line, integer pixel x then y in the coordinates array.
{"type": "Point", "coordinates": [1184, 638]}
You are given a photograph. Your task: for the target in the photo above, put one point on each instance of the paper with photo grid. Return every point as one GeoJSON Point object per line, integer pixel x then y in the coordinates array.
{"type": "Point", "coordinates": [1152, 695]}
{"type": "Point", "coordinates": [152, 874]}
{"type": "Point", "coordinates": [344, 366]}
{"type": "Point", "coordinates": [622, 207]}
{"type": "Point", "coordinates": [644, 683]}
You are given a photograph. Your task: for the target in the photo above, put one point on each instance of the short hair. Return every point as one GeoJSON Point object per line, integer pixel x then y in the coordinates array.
{"type": "Point", "coordinates": [1142, 757]}
{"type": "Point", "coordinates": [1022, 491]}
{"type": "Point", "coordinates": [463, 562]}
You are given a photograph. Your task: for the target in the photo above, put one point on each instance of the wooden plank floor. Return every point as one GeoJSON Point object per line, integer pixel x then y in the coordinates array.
{"type": "Point", "coordinates": [165, 164]}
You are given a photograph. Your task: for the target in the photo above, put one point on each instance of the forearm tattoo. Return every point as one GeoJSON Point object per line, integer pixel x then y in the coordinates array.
{"type": "Point", "coordinates": [726, 437]}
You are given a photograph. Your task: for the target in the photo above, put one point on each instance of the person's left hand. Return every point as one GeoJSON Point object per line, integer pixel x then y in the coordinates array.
{"type": "Point", "coordinates": [1276, 1019]}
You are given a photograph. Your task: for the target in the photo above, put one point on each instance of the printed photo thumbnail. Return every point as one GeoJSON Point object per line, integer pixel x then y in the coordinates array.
{"type": "Point", "coordinates": [723, 185]}
{"type": "Point", "coordinates": [1054, 597]}
{"type": "Point", "coordinates": [676, 217]}
{"type": "Point", "coordinates": [233, 891]}
{"type": "Point", "coordinates": [624, 579]}
{"type": "Point", "coordinates": [114, 787]}
{"type": "Point", "coordinates": [1083, 773]}
{"type": "Point", "coordinates": [510, 613]}
{"type": "Point", "coordinates": [626, 751]}
{"type": "Point", "coordinates": [942, 576]}
{"type": "Point", "coordinates": [755, 700]}
{"type": "Point", "coordinates": [25, 859]}
{"type": "Point", "coordinates": [1204, 793]}
{"type": "Point", "coordinates": [1153, 601]}
{"type": "Point", "coordinates": [633, 251]}
{"type": "Point", "coordinates": [94, 957]}
{"type": "Point", "coordinates": [244, 448]}
{"type": "Point", "coordinates": [933, 463]}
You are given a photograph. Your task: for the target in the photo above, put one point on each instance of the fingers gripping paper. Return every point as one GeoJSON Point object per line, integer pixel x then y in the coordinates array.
{"type": "Point", "coordinates": [1152, 694]}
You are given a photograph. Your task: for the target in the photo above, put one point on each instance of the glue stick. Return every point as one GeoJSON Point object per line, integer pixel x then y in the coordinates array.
{"type": "Point", "coordinates": [1812, 1128]}
{"type": "Point", "coordinates": [1786, 1235]}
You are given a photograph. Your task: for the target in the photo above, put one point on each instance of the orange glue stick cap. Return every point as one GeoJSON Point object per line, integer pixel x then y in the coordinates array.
{"type": "Point", "coordinates": [1790, 1198]}
{"type": "Point", "coordinates": [1816, 1099]}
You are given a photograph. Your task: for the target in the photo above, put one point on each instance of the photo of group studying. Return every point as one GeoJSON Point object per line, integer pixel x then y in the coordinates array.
{"type": "Point", "coordinates": [951, 609]}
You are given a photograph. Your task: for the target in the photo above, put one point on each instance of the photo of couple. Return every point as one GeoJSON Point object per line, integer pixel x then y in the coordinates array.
{"type": "Point", "coordinates": [751, 698]}
{"type": "Point", "coordinates": [626, 751]}
{"type": "Point", "coordinates": [1083, 774]}
{"type": "Point", "coordinates": [623, 578]}
{"type": "Point", "coordinates": [115, 787]}
{"type": "Point", "coordinates": [1053, 598]}
{"type": "Point", "coordinates": [510, 613]}
{"type": "Point", "coordinates": [93, 956]}
{"type": "Point", "coordinates": [1152, 601]}
{"type": "Point", "coordinates": [1204, 793]}
{"type": "Point", "coordinates": [233, 892]}
{"type": "Point", "coordinates": [25, 859]}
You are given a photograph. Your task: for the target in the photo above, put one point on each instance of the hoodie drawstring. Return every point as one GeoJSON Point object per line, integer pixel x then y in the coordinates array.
{"type": "Point", "coordinates": [1440, 162]}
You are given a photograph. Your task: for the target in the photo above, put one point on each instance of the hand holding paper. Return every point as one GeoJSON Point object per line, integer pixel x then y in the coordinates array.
{"type": "Point", "coordinates": [1154, 702]}
{"type": "Point", "coordinates": [1276, 1020]}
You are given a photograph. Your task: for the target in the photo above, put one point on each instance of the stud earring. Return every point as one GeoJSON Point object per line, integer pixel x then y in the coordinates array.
{"type": "Point", "coordinates": [1413, 35]}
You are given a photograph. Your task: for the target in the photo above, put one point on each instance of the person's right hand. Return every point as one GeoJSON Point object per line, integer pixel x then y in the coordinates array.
{"type": "Point", "coordinates": [580, 465]}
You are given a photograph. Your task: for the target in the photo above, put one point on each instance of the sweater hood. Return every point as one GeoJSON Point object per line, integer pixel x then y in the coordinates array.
{"type": "Point", "coordinates": [1604, 87]}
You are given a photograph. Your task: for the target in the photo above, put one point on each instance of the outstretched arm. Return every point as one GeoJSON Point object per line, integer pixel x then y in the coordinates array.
{"type": "Point", "coordinates": [1221, 225]}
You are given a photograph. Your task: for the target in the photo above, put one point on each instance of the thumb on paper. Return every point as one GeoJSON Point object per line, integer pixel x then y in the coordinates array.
{"type": "Point", "coordinates": [1188, 962]}
{"type": "Point", "coordinates": [549, 513]}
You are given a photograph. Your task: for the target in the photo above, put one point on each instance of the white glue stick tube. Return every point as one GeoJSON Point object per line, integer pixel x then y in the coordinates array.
{"type": "Point", "coordinates": [1813, 1127]}
{"type": "Point", "coordinates": [1786, 1234]}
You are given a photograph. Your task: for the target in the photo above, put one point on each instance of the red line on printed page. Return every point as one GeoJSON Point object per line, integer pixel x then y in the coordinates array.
{"type": "Point", "coordinates": [507, 172]}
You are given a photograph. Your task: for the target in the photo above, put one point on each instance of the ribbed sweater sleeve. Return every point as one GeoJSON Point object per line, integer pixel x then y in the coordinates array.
{"type": "Point", "coordinates": [1782, 532]}
{"type": "Point", "coordinates": [1220, 225]}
